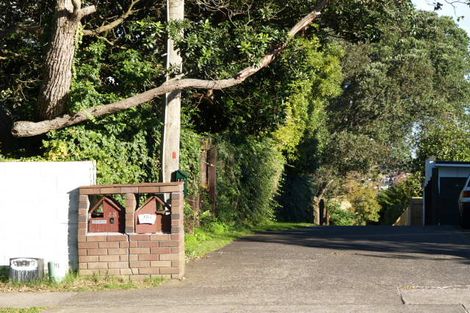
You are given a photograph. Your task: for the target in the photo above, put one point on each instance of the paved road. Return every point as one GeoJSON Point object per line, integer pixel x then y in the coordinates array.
{"type": "Point", "coordinates": [320, 269]}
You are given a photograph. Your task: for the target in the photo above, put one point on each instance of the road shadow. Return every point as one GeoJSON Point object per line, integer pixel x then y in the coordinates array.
{"type": "Point", "coordinates": [430, 242]}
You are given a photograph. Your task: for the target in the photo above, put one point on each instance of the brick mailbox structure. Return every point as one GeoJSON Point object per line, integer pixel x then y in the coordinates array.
{"type": "Point", "coordinates": [131, 231]}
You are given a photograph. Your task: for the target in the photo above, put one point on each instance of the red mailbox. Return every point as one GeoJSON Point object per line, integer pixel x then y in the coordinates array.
{"type": "Point", "coordinates": [106, 216]}
{"type": "Point", "coordinates": [152, 217]}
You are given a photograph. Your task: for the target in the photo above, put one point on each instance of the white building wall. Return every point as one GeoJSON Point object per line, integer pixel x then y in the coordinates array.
{"type": "Point", "coordinates": [39, 209]}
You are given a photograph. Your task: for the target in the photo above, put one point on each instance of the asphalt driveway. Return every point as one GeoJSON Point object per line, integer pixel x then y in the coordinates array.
{"type": "Point", "coordinates": [319, 269]}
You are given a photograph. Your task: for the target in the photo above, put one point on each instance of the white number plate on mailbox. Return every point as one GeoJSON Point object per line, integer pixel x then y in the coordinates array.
{"type": "Point", "coordinates": [98, 221]}
{"type": "Point", "coordinates": [147, 218]}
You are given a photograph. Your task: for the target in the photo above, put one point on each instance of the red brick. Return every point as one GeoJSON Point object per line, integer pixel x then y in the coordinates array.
{"type": "Point", "coordinates": [133, 244]}
{"type": "Point", "coordinates": [139, 264]}
{"type": "Point", "coordinates": [81, 238]}
{"type": "Point", "coordinates": [112, 244]}
{"type": "Point", "coordinates": [176, 195]}
{"type": "Point", "coordinates": [125, 271]}
{"type": "Point", "coordinates": [129, 189]}
{"type": "Point", "coordinates": [97, 251]}
{"type": "Point", "coordinates": [149, 189]}
{"type": "Point", "coordinates": [175, 216]}
{"type": "Point", "coordinates": [117, 237]}
{"type": "Point", "coordinates": [149, 270]}
{"type": "Point", "coordinates": [124, 244]}
{"type": "Point", "coordinates": [134, 257]}
{"type": "Point", "coordinates": [82, 219]}
{"type": "Point", "coordinates": [169, 270]}
{"type": "Point", "coordinates": [148, 244]}
{"type": "Point", "coordinates": [168, 188]}
{"type": "Point", "coordinates": [97, 265]}
{"type": "Point", "coordinates": [89, 245]}
{"type": "Point", "coordinates": [161, 264]}
{"type": "Point", "coordinates": [124, 258]}
{"type": "Point", "coordinates": [175, 229]}
{"type": "Point", "coordinates": [110, 190]}
{"type": "Point", "coordinates": [82, 252]}
{"type": "Point", "coordinates": [165, 250]}
{"type": "Point", "coordinates": [177, 237]}
{"type": "Point", "coordinates": [117, 251]}
{"type": "Point", "coordinates": [159, 237]}
{"type": "Point", "coordinates": [82, 266]}
{"type": "Point", "coordinates": [139, 250]}
{"type": "Point", "coordinates": [175, 263]}
{"type": "Point", "coordinates": [92, 258]}
{"type": "Point", "coordinates": [175, 204]}
{"type": "Point", "coordinates": [89, 191]}
{"type": "Point", "coordinates": [92, 238]}
{"type": "Point", "coordinates": [110, 272]}
{"type": "Point", "coordinates": [172, 243]}
{"type": "Point", "coordinates": [135, 271]}
{"type": "Point", "coordinates": [139, 237]}
{"type": "Point", "coordinates": [148, 257]}
{"type": "Point", "coordinates": [118, 264]}
{"type": "Point", "coordinates": [89, 272]}
{"type": "Point", "coordinates": [169, 257]}
{"type": "Point", "coordinates": [175, 250]}
{"type": "Point", "coordinates": [82, 233]}
{"type": "Point", "coordinates": [109, 258]}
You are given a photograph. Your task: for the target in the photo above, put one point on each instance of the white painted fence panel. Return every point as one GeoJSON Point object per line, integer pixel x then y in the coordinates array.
{"type": "Point", "coordinates": [38, 209]}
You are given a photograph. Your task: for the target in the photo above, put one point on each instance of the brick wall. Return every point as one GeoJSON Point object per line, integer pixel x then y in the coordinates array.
{"type": "Point", "coordinates": [130, 254]}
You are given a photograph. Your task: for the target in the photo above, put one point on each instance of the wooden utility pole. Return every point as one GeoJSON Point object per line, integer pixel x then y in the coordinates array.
{"type": "Point", "coordinates": [172, 123]}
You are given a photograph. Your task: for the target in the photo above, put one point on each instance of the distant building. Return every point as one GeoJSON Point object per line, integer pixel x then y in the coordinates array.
{"type": "Point", "coordinates": [443, 182]}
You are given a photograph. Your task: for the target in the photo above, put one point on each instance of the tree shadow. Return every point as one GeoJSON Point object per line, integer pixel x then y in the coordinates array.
{"type": "Point", "coordinates": [442, 243]}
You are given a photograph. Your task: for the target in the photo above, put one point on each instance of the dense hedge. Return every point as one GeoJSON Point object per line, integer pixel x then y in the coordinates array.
{"type": "Point", "coordinates": [248, 177]}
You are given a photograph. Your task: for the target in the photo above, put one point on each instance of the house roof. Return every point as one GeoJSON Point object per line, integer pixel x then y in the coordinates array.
{"type": "Point", "coordinates": [451, 164]}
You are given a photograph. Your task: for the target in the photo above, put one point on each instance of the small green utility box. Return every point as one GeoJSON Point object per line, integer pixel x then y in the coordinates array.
{"type": "Point", "coordinates": [179, 175]}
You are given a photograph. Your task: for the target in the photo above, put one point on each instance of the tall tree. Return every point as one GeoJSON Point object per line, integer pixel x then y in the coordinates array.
{"type": "Point", "coordinates": [59, 60]}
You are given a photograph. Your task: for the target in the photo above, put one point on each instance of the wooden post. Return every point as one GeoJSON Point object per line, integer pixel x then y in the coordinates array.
{"type": "Point", "coordinates": [172, 122]}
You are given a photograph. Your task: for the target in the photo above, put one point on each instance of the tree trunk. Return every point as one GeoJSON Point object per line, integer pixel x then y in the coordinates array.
{"type": "Point", "coordinates": [59, 60]}
{"type": "Point", "coordinates": [172, 123]}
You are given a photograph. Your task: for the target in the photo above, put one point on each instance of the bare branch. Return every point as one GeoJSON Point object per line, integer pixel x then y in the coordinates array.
{"type": "Point", "coordinates": [29, 129]}
{"type": "Point", "coordinates": [77, 5]}
{"type": "Point", "coordinates": [87, 11]}
{"type": "Point", "coordinates": [113, 24]}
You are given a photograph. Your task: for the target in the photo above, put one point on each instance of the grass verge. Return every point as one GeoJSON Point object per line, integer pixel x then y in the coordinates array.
{"type": "Point", "coordinates": [216, 235]}
{"type": "Point", "coordinates": [204, 240]}
{"type": "Point", "coordinates": [22, 310]}
{"type": "Point", "coordinates": [74, 282]}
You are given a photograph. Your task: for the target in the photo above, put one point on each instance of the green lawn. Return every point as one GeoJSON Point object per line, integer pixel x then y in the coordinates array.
{"type": "Point", "coordinates": [217, 235]}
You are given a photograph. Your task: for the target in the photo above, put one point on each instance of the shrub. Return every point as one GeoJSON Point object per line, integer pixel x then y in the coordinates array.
{"type": "Point", "coordinates": [248, 176]}
{"type": "Point", "coordinates": [340, 217]}
{"type": "Point", "coordinates": [395, 200]}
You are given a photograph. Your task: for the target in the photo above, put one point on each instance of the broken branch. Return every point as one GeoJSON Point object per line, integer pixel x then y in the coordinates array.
{"type": "Point", "coordinates": [29, 129]}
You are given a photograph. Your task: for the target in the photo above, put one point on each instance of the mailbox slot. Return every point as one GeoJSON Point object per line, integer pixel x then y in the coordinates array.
{"type": "Point", "coordinates": [152, 217]}
{"type": "Point", "coordinates": [106, 216]}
